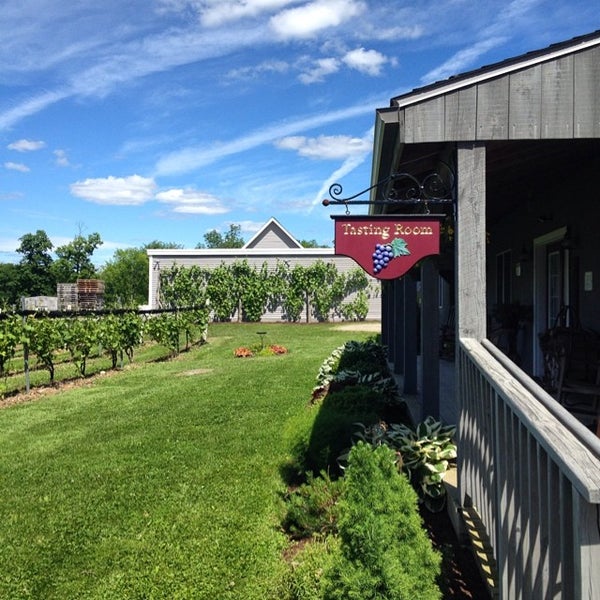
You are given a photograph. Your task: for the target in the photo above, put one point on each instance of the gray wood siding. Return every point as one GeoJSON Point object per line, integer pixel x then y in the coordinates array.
{"type": "Point", "coordinates": [558, 91]}
{"type": "Point", "coordinates": [559, 98]}
{"type": "Point", "coordinates": [587, 94]}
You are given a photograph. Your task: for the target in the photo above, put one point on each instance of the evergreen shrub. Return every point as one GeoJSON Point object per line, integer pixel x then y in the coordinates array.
{"type": "Point", "coordinates": [384, 551]}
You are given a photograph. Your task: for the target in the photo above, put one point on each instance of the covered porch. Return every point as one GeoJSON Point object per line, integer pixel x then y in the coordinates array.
{"type": "Point", "coordinates": [519, 144]}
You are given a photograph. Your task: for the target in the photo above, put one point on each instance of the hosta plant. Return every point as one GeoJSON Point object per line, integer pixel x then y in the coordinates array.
{"type": "Point", "coordinates": [424, 452]}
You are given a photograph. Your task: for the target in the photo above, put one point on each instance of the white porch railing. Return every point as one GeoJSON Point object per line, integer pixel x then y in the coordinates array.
{"type": "Point", "coordinates": [532, 473]}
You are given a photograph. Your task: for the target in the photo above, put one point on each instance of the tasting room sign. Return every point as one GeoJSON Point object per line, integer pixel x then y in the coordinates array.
{"type": "Point", "coordinates": [387, 247]}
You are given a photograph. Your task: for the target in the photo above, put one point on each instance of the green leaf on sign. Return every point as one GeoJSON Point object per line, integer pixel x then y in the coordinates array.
{"type": "Point", "coordinates": [399, 247]}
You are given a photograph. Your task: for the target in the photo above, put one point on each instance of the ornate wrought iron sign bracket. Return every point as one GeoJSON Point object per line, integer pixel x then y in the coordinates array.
{"type": "Point", "coordinates": [406, 189]}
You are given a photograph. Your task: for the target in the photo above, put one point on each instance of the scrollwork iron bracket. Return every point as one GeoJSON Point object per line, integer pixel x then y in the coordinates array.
{"type": "Point", "coordinates": [407, 189]}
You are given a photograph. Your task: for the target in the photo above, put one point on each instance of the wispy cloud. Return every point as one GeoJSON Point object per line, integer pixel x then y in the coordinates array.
{"type": "Point", "coordinates": [26, 145]}
{"type": "Point", "coordinates": [324, 147]}
{"type": "Point", "coordinates": [13, 166]}
{"type": "Point", "coordinates": [192, 202]}
{"type": "Point", "coordinates": [496, 33]}
{"type": "Point", "coordinates": [219, 12]}
{"type": "Point", "coordinates": [349, 165]}
{"type": "Point", "coordinates": [60, 158]}
{"type": "Point", "coordinates": [319, 69]}
{"type": "Point", "coordinates": [461, 61]}
{"type": "Point", "coordinates": [190, 159]}
{"type": "Point", "coordinates": [30, 106]}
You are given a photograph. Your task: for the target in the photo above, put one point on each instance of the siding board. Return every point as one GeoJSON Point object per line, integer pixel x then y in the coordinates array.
{"type": "Point", "coordinates": [492, 110]}
{"type": "Point", "coordinates": [429, 121]}
{"type": "Point", "coordinates": [461, 115]}
{"type": "Point", "coordinates": [557, 98]}
{"type": "Point", "coordinates": [524, 104]}
{"type": "Point", "coordinates": [587, 94]}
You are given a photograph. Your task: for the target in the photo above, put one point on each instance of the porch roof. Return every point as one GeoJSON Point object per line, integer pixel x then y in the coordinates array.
{"type": "Point", "coordinates": [538, 114]}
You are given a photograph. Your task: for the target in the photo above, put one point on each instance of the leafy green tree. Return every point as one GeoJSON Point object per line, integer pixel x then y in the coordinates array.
{"type": "Point", "coordinates": [35, 273]}
{"type": "Point", "coordinates": [125, 278]}
{"type": "Point", "coordinates": [126, 275]}
{"type": "Point", "coordinates": [9, 285]}
{"type": "Point", "coordinates": [312, 244]}
{"type": "Point", "coordinates": [75, 259]}
{"type": "Point", "coordinates": [231, 239]}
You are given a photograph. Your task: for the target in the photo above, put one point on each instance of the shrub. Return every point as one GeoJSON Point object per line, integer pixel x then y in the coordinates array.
{"type": "Point", "coordinates": [424, 452]}
{"type": "Point", "coordinates": [312, 508]}
{"type": "Point", "coordinates": [332, 434]}
{"type": "Point", "coordinates": [384, 551]}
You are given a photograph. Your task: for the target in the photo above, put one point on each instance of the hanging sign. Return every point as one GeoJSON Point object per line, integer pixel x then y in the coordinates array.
{"type": "Point", "coordinates": [386, 247]}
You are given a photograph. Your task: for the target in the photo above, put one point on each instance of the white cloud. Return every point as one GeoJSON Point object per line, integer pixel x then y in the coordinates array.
{"type": "Point", "coordinates": [365, 61]}
{"type": "Point", "coordinates": [396, 34]}
{"type": "Point", "coordinates": [60, 158]}
{"type": "Point", "coordinates": [29, 107]}
{"type": "Point", "coordinates": [190, 159]}
{"type": "Point", "coordinates": [347, 167]}
{"type": "Point", "coordinates": [249, 226]}
{"type": "Point", "coordinates": [461, 60]}
{"type": "Point", "coordinates": [307, 20]}
{"type": "Point", "coordinates": [325, 147]}
{"type": "Point", "coordinates": [319, 70]}
{"type": "Point", "coordinates": [219, 12]}
{"type": "Point", "coordinates": [191, 201]}
{"type": "Point", "coordinates": [13, 166]}
{"type": "Point", "coordinates": [26, 145]}
{"type": "Point", "coordinates": [254, 71]}
{"type": "Point", "coordinates": [118, 191]}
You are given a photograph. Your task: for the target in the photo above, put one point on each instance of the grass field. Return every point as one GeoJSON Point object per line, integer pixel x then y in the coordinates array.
{"type": "Point", "coordinates": [161, 480]}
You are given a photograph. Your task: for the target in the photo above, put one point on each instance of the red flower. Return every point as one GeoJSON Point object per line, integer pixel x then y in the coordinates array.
{"type": "Point", "coordinates": [243, 352]}
{"type": "Point", "coordinates": [278, 349]}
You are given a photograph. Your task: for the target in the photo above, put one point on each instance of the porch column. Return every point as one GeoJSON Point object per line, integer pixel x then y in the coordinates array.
{"type": "Point", "coordinates": [399, 341]}
{"type": "Point", "coordinates": [385, 338]}
{"type": "Point", "coordinates": [470, 242]}
{"type": "Point", "coordinates": [391, 315]}
{"type": "Point", "coordinates": [470, 280]}
{"type": "Point", "coordinates": [430, 339]}
{"type": "Point", "coordinates": [410, 334]}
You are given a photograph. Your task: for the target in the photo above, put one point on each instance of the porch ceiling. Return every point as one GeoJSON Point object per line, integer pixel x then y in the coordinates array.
{"type": "Point", "coordinates": [516, 170]}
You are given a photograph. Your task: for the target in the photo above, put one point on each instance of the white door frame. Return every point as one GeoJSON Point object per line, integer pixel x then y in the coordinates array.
{"type": "Point", "coordinates": [540, 316]}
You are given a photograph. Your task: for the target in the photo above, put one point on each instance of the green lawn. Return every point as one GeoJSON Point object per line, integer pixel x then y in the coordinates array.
{"type": "Point", "coordinates": [161, 480]}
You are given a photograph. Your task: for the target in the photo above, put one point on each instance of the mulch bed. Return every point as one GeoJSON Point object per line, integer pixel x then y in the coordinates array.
{"type": "Point", "coordinates": [460, 574]}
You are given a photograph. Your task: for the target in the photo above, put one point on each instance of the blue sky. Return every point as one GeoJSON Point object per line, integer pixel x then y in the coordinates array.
{"type": "Point", "coordinates": [164, 119]}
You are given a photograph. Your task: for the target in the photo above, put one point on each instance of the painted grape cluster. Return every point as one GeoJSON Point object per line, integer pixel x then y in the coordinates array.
{"type": "Point", "coordinates": [382, 256]}
{"type": "Point", "coordinates": [384, 253]}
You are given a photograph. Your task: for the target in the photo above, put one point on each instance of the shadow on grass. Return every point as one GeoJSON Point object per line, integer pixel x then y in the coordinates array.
{"type": "Point", "coordinates": [319, 442]}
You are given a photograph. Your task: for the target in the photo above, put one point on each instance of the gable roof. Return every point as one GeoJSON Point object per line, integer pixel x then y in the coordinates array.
{"type": "Point", "coordinates": [476, 76]}
{"type": "Point", "coordinates": [272, 235]}
{"type": "Point", "coordinates": [538, 106]}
